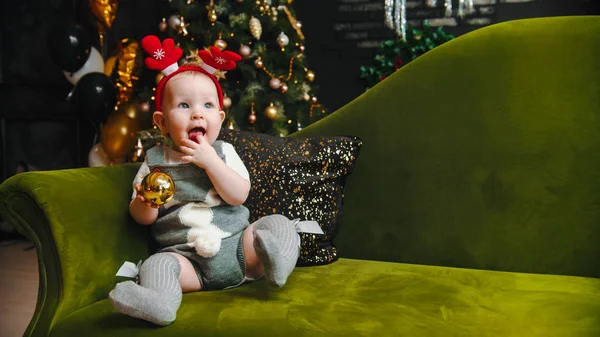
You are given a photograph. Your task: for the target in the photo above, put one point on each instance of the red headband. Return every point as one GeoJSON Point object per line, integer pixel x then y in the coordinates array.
{"type": "Point", "coordinates": [164, 58]}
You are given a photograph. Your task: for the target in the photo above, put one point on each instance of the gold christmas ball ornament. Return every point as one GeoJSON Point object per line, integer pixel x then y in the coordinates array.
{"type": "Point", "coordinates": [221, 44]}
{"type": "Point", "coordinates": [230, 125]}
{"type": "Point", "coordinates": [259, 63]}
{"type": "Point", "coordinates": [159, 77]}
{"type": "Point", "coordinates": [158, 188]}
{"type": "Point", "coordinates": [310, 76]}
{"type": "Point", "coordinates": [212, 16]}
{"type": "Point", "coordinates": [271, 112]}
{"type": "Point", "coordinates": [275, 83]}
{"type": "Point", "coordinates": [226, 102]}
{"type": "Point", "coordinates": [255, 28]}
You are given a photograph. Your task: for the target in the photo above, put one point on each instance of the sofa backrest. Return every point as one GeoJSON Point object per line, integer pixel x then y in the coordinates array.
{"type": "Point", "coordinates": [482, 153]}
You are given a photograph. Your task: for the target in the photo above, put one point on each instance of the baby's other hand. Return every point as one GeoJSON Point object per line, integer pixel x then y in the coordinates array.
{"type": "Point", "coordinates": [141, 198]}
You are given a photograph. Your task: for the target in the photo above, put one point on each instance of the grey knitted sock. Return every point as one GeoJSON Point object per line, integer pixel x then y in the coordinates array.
{"type": "Point", "coordinates": [277, 245]}
{"type": "Point", "coordinates": [157, 297]}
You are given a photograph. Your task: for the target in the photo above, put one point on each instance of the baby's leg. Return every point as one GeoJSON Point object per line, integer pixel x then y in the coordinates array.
{"type": "Point", "coordinates": [156, 299]}
{"type": "Point", "coordinates": [254, 268]}
{"type": "Point", "coordinates": [277, 245]}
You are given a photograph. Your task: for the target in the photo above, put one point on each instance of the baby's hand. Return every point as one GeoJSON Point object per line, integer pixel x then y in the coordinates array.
{"type": "Point", "coordinates": [202, 153]}
{"type": "Point", "coordinates": [141, 198]}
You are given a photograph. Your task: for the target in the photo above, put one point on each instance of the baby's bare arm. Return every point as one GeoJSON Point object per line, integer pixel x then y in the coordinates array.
{"type": "Point", "coordinates": [231, 186]}
{"type": "Point", "coordinates": [142, 211]}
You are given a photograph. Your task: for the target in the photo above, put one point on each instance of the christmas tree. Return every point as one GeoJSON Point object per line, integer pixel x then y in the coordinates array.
{"type": "Point", "coordinates": [394, 54]}
{"type": "Point", "coordinates": [270, 91]}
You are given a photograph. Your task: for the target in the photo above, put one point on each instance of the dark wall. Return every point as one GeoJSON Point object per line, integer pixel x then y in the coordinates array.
{"type": "Point", "coordinates": [342, 35]}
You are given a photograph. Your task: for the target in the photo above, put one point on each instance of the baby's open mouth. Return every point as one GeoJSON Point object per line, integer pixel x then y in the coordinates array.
{"type": "Point", "coordinates": [195, 132]}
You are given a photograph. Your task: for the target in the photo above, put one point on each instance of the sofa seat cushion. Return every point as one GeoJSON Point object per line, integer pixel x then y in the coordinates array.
{"type": "Point", "coordinates": [369, 298]}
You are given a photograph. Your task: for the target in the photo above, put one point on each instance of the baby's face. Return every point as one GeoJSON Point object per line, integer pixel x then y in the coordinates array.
{"type": "Point", "coordinates": [191, 108]}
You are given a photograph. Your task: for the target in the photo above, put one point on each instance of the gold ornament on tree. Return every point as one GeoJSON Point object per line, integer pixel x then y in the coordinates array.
{"type": "Point", "coordinates": [158, 188]}
{"type": "Point", "coordinates": [182, 29]}
{"type": "Point", "coordinates": [230, 125]}
{"type": "Point", "coordinates": [211, 12]}
{"type": "Point", "coordinates": [271, 112]}
{"type": "Point", "coordinates": [158, 77]}
{"type": "Point", "coordinates": [310, 76]}
{"type": "Point", "coordinates": [255, 28]}
{"type": "Point", "coordinates": [105, 12]}
{"type": "Point", "coordinates": [220, 43]}
{"type": "Point", "coordinates": [295, 23]}
{"type": "Point", "coordinates": [212, 16]}
{"type": "Point", "coordinates": [138, 152]}
{"type": "Point", "coordinates": [252, 117]}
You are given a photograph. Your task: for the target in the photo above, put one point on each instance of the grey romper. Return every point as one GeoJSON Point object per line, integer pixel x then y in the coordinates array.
{"type": "Point", "coordinates": [198, 221]}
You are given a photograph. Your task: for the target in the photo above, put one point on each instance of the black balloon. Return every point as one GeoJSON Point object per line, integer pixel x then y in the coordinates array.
{"type": "Point", "coordinates": [94, 96]}
{"type": "Point", "coordinates": [69, 46]}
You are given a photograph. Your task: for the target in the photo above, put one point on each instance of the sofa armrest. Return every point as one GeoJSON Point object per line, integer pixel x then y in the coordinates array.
{"type": "Point", "coordinates": [79, 222]}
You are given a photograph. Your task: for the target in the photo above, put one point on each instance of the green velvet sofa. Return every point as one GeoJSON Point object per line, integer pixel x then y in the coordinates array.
{"type": "Point", "coordinates": [473, 209]}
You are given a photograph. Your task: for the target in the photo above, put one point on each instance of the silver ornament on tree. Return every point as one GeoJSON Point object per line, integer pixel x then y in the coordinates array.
{"type": "Point", "coordinates": [275, 83]}
{"type": "Point", "coordinates": [226, 102]}
{"type": "Point", "coordinates": [174, 22]}
{"type": "Point", "coordinates": [245, 51]}
{"type": "Point", "coordinates": [283, 40]}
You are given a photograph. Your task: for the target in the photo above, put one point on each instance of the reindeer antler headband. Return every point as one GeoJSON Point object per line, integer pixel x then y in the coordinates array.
{"type": "Point", "coordinates": [164, 57]}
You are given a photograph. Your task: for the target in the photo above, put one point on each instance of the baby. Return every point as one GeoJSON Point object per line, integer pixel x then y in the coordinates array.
{"type": "Point", "coordinates": [206, 242]}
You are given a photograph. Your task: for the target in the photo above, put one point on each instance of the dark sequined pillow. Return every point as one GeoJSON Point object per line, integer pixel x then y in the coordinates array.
{"type": "Point", "coordinates": [299, 178]}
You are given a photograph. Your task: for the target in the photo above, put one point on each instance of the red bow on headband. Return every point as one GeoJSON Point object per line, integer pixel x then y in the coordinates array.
{"type": "Point", "coordinates": [161, 56]}
{"type": "Point", "coordinates": [219, 60]}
